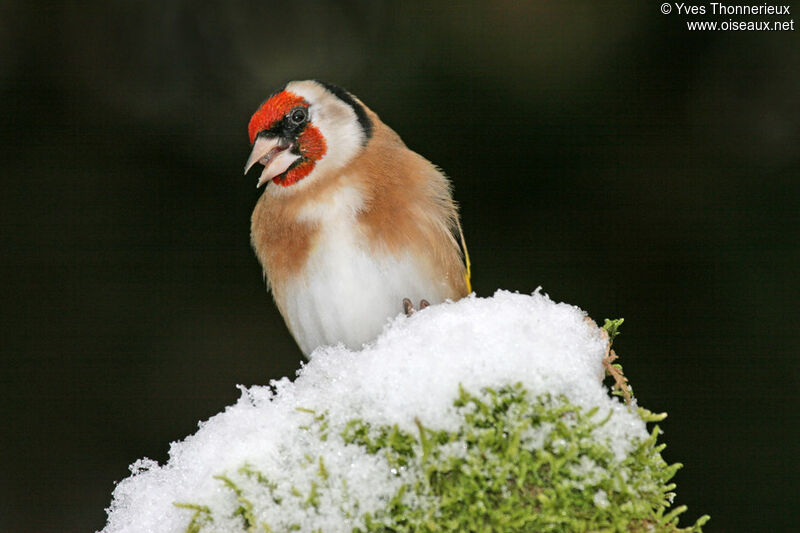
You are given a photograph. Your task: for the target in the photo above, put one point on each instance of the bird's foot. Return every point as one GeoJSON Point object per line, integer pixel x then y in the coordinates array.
{"type": "Point", "coordinates": [408, 307]}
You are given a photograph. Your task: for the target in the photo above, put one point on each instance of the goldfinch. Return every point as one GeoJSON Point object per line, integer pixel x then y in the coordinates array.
{"type": "Point", "coordinates": [351, 222]}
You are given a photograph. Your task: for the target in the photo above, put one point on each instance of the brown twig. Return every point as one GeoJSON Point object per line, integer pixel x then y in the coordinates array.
{"type": "Point", "coordinates": [620, 381]}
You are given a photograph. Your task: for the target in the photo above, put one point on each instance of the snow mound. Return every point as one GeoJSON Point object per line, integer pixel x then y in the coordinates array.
{"type": "Point", "coordinates": [410, 376]}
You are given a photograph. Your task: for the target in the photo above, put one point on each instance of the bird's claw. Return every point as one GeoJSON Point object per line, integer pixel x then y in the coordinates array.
{"type": "Point", "coordinates": [408, 307]}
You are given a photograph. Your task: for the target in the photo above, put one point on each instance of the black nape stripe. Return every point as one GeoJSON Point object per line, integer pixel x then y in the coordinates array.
{"type": "Point", "coordinates": [347, 98]}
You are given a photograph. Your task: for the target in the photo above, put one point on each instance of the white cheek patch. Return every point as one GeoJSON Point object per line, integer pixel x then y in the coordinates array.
{"type": "Point", "coordinates": [337, 122]}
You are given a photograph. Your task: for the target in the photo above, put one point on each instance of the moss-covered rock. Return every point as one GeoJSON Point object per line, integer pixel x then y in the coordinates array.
{"type": "Point", "coordinates": [517, 463]}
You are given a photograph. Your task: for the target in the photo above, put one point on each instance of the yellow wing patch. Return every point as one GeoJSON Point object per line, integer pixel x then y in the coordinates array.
{"type": "Point", "coordinates": [468, 272]}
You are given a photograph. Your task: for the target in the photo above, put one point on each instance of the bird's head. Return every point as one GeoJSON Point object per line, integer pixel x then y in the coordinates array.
{"type": "Point", "coordinates": [304, 130]}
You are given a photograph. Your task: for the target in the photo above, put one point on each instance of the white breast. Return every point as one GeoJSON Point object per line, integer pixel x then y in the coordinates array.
{"type": "Point", "coordinates": [348, 292]}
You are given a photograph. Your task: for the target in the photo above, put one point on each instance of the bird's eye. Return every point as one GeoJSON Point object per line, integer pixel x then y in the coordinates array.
{"type": "Point", "coordinates": [298, 115]}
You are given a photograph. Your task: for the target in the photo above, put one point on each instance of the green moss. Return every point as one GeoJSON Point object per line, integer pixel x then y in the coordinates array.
{"type": "Point", "coordinates": [200, 517]}
{"type": "Point", "coordinates": [245, 509]}
{"type": "Point", "coordinates": [517, 462]}
{"type": "Point", "coordinates": [611, 327]}
{"type": "Point", "coordinates": [501, 483]}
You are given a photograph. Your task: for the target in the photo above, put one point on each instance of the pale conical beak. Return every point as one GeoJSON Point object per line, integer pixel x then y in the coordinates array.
{"type": "Point", "coordinates": [274, 153]}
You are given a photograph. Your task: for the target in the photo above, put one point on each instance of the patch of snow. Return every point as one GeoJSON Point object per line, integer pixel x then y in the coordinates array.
{"type": "Point", "coordinates": [601, 499]}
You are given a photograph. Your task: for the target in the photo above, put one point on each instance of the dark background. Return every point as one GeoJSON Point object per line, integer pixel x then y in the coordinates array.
{"type": "Point", "coordinates": [598, 149]}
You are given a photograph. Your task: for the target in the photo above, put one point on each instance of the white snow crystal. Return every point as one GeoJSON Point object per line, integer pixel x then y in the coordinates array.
{"type": "Point", "coordinates": [411, 372]}
{"type": "Point", "coordinates": [601, 499]}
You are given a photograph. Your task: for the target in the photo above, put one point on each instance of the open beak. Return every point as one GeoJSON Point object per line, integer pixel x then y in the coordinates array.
{"type": "Point", "coordinates": [274, 153]}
